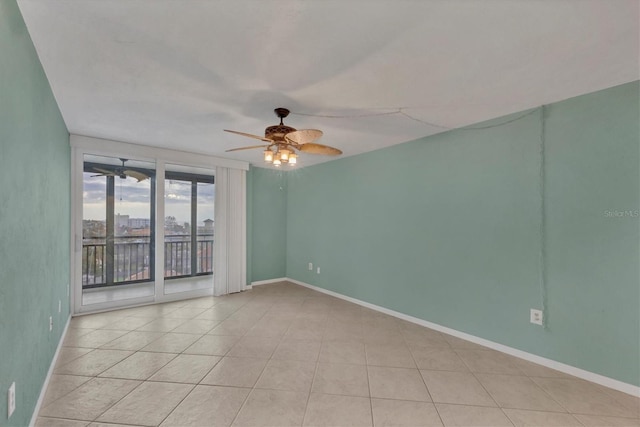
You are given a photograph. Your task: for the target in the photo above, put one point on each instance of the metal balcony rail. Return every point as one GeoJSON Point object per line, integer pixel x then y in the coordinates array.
{"type": "Point", "coordinates": [132, 259]}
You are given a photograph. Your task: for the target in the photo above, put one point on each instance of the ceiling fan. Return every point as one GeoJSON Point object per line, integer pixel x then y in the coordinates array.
{"type": "Point", "coordinates": [122, 172]}
{"type": "Point", "coordinates": [283, 142]}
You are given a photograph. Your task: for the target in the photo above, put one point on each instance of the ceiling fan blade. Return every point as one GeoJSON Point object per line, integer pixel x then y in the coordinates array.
{"type": "Point", "coordinates": [312, 148]}
{"type": "Point", "coordinates": [104, 172]}
{"type": "Point", "coordinates": [261, 138]}
{"type": "Point", "coordinates": [303, 136]}
{"type": "Point", "coordinates": [135, 174]}
{"type": "Point", "coordinates": [247, 148]}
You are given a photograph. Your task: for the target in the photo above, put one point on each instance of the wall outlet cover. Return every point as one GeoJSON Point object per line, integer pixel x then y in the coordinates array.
{"type": "Point", "coordinates": [536, 316]}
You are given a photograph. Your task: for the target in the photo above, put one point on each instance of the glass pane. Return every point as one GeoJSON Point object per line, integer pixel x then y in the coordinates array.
{"type": "Point", "coordinates": [94, 230]}
{"type": "Point", "coordinates": [117, 229]}
{"type": "Point", "coordinates": [132, 247]}
{"type": "Point", "coordinates": [205, 216]}
{"type": "Point", "coordinates": [177, 228]}
{"type": "Point", "coordinates": [188, 244]}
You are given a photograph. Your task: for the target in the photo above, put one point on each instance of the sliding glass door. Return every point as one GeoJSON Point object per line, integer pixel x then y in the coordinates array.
{"type": "Point", "coordinates": [153, 225]}
{"type": "Point", "coordinates": [188, 228]}
{"type": "Point", "coordinates": [144, 231]}
{"type": "Point", "coordinates": [118, 229]}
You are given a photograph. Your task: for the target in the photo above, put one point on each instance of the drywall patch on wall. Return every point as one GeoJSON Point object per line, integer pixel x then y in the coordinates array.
{"type": "Point", "coordinates": [34, 218]}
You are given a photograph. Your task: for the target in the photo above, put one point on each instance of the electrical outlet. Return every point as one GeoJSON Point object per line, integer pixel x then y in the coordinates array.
{"type": "Point", "coordinates": [310, 266]}
{"type": "Point", "coordinates": [536, 317]}
{"type": "Point", "coordinates": [59, 306]}
{"type": "Point", "coordinates": [318, 270]}
{"type": "Point", "coordinates": [11, 399]}
{"type": "Point", "coordinates": [50, 323]}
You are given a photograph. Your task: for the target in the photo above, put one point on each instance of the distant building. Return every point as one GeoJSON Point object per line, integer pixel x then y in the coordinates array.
{"type": "Point", "coordinates": [144, 232]}
{"type": "Point", "coordinates": [139, 223]}
{"type": "Point", "coordinates": [93, 228]}
{"type": "Point", "coordinates": [208, 224]}
{"type": "Point", "coordinates": [122, 220]}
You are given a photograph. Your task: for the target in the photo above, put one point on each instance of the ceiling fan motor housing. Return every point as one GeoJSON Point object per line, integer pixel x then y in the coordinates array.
{"type": "Point", "coordinates": [278, 132]}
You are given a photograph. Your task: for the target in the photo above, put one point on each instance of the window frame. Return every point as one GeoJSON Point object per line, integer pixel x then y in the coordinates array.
{"type": "Point", "coordinates": [109, 252]}
{"type": "Point", "coordinates": [86, 145]}
{"type": "Point", "coordinates": [194, 179]}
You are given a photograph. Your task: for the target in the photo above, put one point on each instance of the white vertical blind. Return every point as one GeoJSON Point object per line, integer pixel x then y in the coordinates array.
{"type": "Point", "coordinates": [230, 252]}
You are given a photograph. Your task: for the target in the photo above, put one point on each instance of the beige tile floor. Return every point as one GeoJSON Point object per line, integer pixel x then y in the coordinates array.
{"type": "Point", "coordinates": [283, 355]}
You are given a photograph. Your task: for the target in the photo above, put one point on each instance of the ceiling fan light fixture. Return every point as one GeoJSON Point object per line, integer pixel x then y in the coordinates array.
{"type": "Point", "coordinates": [284, 141]}
{"type": "Point", "coordinates": [268, 156]}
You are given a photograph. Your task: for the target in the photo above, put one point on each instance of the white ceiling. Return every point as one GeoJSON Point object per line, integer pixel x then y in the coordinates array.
{"type": "Point", "coordinates": [173, 73]}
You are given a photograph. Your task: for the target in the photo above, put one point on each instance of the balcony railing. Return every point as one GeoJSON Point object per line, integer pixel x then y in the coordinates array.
{"type": "Point", "coordinates": [132, 259]}
{"type": "Point", "coordinates": [177, 256]}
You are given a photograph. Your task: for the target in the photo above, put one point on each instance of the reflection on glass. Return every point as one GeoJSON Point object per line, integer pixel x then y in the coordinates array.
{"type": "Point", "coordinates": [189, 214]}
{"type": "Point", "coordinates": [94, 229]}
{"type": "Point", "coordinates": [205, 193]}
{"type": "Point", "coordinates": [177, 228]}
{"type": "Point", "coordinates": [117, 226]}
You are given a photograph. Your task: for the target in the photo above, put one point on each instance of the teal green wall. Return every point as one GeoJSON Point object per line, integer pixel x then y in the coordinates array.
{"type": "Point", "coordinates": [449, 229]}
{"type": "Point", "coordinates": [267, 224]}
{"type": "Point", "coordinates": [592, 253]}
{"type": "Point", "coordinates": [34, 218]}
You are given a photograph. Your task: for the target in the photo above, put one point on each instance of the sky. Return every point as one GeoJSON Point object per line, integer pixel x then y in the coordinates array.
{"type": "Point", "coordinates": [133, 198]}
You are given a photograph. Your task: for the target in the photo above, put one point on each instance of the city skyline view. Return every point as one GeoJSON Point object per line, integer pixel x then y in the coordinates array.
{"type": "Point", "coordinates": [132, 198]}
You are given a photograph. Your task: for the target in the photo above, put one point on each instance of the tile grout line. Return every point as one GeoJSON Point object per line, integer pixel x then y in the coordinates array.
{"type": "Point", "coordinates": [135, 388]}
{"type": "Point", "coordinates": [422, 378]}
{"type": "Point", "coordinates": [366, 364]}
{"type": "Point", "coordinates": [97, 376]}
{"type": "Point", "coordinates": [117, 401]}
{"type": "Point", "coordinates": [261, 372]}
{"type": "Point", "coordinates": [193, 387]}
{"type": "Point", "coordinates": [489, 373]}
{"type": "Point", "coordinates": [212, 385]}
{"type": "Point", "coordinates": [315, 373]}
{"type": "Point", "coordinates": [274, 309]}
{"type": "Point", "coordinates": [533, 410]}
{"type": "Point", "coordinates": [313, 380]}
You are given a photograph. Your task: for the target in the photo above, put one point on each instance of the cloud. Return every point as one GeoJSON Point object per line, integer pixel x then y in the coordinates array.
{"type": "Point", "coordinates": [132, 193]}
{"type": "Point", "coordinates": [95, 189]}
{"type": "Point", "coordinates": [136, 196]}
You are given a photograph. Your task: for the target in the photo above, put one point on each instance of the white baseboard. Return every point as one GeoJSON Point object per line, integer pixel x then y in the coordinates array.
{"type": "Point", "coordinates": [549, 363]}
{"type": "Point", "coordinates": [43, 390]}
{"type": "Point", "coordinates": [266, 282]}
